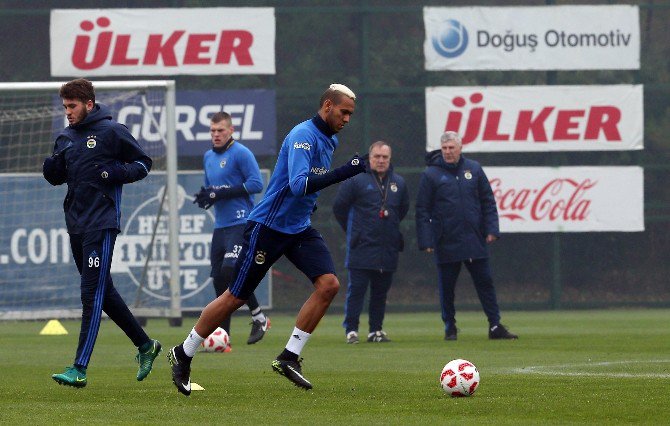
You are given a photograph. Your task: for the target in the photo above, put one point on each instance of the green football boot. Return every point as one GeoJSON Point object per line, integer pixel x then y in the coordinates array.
{"type": "Point", "coordinates": [72, 376]}
{"type": "Point", "coordinates": [146, 359]}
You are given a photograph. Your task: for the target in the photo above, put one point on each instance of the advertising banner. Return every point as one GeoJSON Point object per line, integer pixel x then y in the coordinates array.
{"type": "Point", "coordinates": [253, 114]}
{"type": "Point", "coordinates": [532, 38]}
{"type": "Point", "coordinates": [138, 42]}
{"type": "Point", "coordinates": [37, 271]}
{"type": "Point", "coordinates": [568, 199]}
{"type": "Point", "coordinates": [537, 118]}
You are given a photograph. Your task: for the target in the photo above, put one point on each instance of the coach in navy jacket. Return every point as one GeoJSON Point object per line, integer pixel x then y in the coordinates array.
{"type": "Point", "coordinates": [456, 218]}
{"type": "Point", "coordinates": [369, 207]}
{"type": "Point", "coordinates": [96, 156]}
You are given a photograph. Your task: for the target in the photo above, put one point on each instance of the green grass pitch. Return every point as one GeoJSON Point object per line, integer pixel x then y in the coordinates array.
{"type": "Point", "coordinates": [577, 367]}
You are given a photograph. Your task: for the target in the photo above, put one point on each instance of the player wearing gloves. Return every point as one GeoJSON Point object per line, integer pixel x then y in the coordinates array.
{"type": "Point", "coordinates": [95, 156]}
{"type": "Point", "coordinates": [280, 225]}
{"type": "Point", "coordinates": [232, 177]}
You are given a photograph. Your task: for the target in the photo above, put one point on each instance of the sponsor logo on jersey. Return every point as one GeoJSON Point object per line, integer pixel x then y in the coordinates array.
{"type": "Point", "coordinates": [302, 145]}
{"type": "Point", "coordinates": [318, 170]}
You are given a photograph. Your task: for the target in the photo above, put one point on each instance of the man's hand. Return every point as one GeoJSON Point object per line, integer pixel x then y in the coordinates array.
{"type": "Point", "coordinates": [428, 250]}
{"type": "Point", "coordinates": [54, 169]}
{"type": "Point", "coordinates": [111, 174]}
{"type": "Point", "coordinates": [490, 238]}
{"type": "Point", "coordinates": [359, 164]}
{"type": "Point", "coordinates": [205, 198]}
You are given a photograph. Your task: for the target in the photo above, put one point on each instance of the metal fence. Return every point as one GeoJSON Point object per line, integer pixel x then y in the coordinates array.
{"type": "Point", "coordinates": [376, 48]}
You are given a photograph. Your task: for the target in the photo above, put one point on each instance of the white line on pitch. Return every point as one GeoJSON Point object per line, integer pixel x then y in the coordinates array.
{"type": "Point", "coordinates": [555, 370]}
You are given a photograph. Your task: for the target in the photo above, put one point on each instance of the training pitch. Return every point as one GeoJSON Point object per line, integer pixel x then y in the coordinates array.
{"type": "Point", "coordinates": [598, 367]}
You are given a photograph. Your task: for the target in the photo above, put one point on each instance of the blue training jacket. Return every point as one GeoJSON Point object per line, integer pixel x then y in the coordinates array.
{"type": "Point", "coordinates": [97, 140]}
{"type": "Point", "coordinates": [373, 242]}
{"type": "Point", "coordinates": [455, 209]}
{"type": "Point", "coordinates": [307, 150]}
{"type": "Point", "coordinates": [233, 167]}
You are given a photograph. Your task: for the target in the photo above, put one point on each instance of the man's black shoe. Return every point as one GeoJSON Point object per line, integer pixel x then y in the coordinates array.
{"type": "Point", "coordinates": [500, 332]}
{"type": "Point", "coordinates": [292, 371]}
{"type": "Point", "coordinates": [181, 370]}
{"type": "Point", "coordinates": [258, 329]}
{"type": "Point", "coordinates": [451, 333]}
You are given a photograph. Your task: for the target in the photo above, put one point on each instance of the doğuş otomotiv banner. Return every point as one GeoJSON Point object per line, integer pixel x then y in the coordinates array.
{"type": "Point", "coordinates": [532, 38]}
{"type": "Point", "coordinates": [537, 118]}
{"type": "Point", "coordinates": [132, 42]}
{"type": "Point", "coordinates": [568, 199]}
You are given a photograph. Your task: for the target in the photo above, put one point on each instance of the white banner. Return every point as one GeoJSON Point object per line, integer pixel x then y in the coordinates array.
{"type": "Point", "coordinates": [537, 118]}
{"type": "Point", "coordinates": [532, 38]}
{"type": "Point", "coordinates": [133, 42]}
{"type": "Point", "coordinates": [568, 199]}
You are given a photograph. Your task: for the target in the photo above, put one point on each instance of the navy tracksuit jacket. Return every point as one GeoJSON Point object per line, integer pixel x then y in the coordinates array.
{"type": "Point", "coordinates": [455, 211]}
{"type": "Point", "coordinates": [373, 241]}
{"type": "Point", "coordinates": [93, 214]}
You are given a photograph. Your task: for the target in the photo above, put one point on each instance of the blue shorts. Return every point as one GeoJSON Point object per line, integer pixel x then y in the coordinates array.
{"type": "Point", "coordinates": [263, 246]}
{"type": "Point", "coordinates": [226, 247]}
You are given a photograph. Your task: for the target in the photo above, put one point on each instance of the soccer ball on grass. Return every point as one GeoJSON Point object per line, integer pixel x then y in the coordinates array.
{"type": "Point", "coordinates": [218, 341]}
{"type": "Point", "coordinates": [459, 377]}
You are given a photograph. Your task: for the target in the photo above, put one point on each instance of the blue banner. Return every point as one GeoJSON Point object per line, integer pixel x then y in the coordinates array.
{"type": "Point", "coordinates": [37, 271]}
{"type": "Point", "coordinates": [253, 115]}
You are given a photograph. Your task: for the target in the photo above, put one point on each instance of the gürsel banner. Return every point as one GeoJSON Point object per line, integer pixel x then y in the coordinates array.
{"type": "Point", "coordinates": [537, 118]}
{"type": "Point", "coordinates": [132, 42]}
{"type": "Point", "coordinates": [565, 37]}
{"type": "Point", "coordinates": [568, 199]}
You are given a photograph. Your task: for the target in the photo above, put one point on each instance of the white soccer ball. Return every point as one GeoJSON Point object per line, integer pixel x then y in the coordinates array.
{"type": "Point", "coordinates": [218, 341]}
{"type": "Point", "coordinates": [459, 377]}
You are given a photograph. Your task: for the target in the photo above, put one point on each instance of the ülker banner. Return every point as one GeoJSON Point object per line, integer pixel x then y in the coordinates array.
{"type": "Point", "coordinates": [132, 42]}
{"type": "Point", "coordinates": [537, 118]}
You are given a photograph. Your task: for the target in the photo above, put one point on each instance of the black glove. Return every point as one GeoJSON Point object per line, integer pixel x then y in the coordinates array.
{"type": "Point", "coordinates": [204, 198]}
{"type": "Point", "coordinates": [353, 167]}
{"type": "Point", "coordinates": [111, 174]}
{"type": "Point", "coordinates": [208, 196]}
{"type": "Point", "coordinates": [54, 169]}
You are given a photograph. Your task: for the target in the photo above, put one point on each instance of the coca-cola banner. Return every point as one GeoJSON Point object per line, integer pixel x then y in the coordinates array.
{"type": "Point", "coordinates": [568, 199]}
{"type": "Point", "coordinates": [567, 37]}
{"type": "Point", "coordinates": [132, 42]}
{"type": "Point", "coordinates": [537, 118]}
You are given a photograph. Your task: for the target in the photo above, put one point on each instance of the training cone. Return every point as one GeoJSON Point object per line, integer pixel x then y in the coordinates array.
{"type": "Point", "coordinates": [53, 328]}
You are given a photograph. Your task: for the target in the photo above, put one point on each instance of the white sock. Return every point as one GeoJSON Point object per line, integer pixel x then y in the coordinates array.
{"type": "Point", "coordinates": [257, 315]}
{"type": "Point", "coordinates": [192, 343]}
{"type": "Point", "coordinates": [297, 341]}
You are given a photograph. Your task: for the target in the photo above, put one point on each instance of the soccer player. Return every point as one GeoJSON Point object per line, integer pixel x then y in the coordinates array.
{"type": "Point", "coordinates": [232, 177]}
{"type": "Point", "coordinates": [280, 225]}
{"type": "Point", "coordinates": [96, 156]}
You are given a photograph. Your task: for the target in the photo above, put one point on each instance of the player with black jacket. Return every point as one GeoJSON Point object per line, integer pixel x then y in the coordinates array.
{"type": "Point", "coordinates": [95, 156]}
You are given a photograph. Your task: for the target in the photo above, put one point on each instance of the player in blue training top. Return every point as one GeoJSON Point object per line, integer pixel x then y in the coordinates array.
{"type": "Point", "coordinates": [96, 156]}
{"type": "Point", "coordinates": [232, 177]}
{"type": "Point", "coordinates": [280, 225]}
